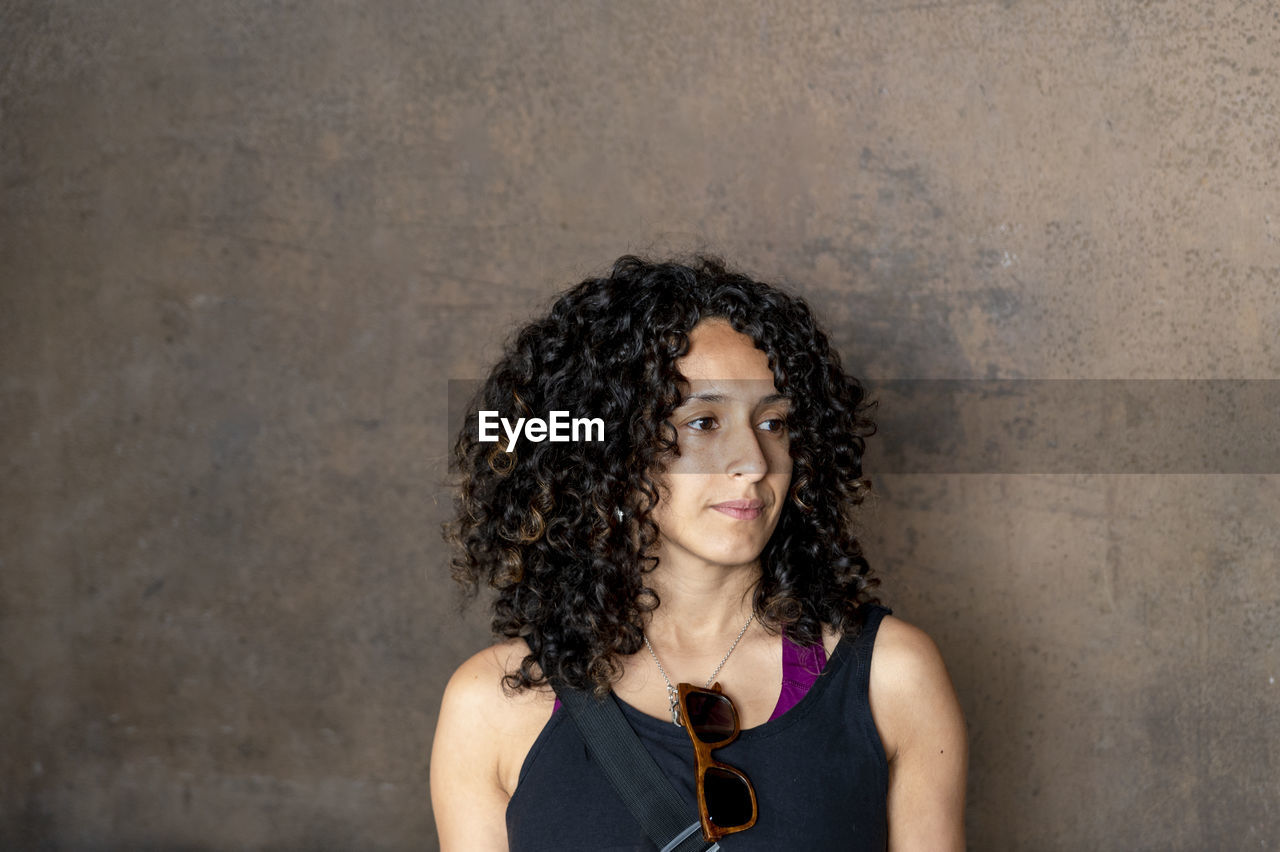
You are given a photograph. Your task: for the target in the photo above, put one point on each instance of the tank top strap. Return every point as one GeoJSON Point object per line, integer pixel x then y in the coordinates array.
{"type": "Point", "coordinates": [802, 665]}
{"type": "Point", "coordinates": [863, 644]}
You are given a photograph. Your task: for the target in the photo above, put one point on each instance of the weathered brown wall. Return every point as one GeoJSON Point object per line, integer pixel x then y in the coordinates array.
{"type": "Point", "coordinates": [244, 245]}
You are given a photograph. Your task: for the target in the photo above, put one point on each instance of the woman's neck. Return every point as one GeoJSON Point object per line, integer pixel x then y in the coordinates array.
{"type": "Point", "coordinates": [700, 604]}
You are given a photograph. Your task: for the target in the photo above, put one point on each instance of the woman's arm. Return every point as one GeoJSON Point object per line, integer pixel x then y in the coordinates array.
{"type": "Point", "coordinates": [923, 732]}
{"type": "Point", "coordinates": [470, 757]}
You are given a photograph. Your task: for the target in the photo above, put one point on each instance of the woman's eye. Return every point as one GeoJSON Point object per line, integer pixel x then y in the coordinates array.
{"type": "Point", "coordinates": [702, 424]}
{"type": "Point", "coordinates": [775, 424]}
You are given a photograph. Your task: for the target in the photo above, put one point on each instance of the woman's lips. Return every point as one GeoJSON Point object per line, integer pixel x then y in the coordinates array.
{"type": "Point", "coordinates": [742, 510]}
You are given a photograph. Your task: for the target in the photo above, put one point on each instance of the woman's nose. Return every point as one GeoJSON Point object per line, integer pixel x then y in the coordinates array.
{"type": "Point", "coordinates": [746, 456]}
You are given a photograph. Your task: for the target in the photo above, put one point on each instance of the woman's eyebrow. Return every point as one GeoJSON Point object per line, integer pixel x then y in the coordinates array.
{"type": "Point", "coordinates": [705, 396]}
{"type": "Point", "coordinates": [712, 396]}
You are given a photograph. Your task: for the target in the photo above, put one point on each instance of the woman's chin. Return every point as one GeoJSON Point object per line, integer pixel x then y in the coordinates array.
{"type": "Point", "coordinates": [730, 558]}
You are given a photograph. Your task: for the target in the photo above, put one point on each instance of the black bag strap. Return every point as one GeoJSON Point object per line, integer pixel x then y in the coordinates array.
{"type": "Point", "coordinates": [647, 793]}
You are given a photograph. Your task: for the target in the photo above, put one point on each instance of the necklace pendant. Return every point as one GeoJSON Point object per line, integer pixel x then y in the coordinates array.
{"type": "Point", "coordinates": [673, 698]}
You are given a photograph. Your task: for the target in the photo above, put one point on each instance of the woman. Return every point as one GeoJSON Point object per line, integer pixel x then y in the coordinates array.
{"type": "Point", "coordinates": [706, 537]}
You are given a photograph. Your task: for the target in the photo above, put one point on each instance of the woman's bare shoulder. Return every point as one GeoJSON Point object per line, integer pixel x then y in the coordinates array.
{"type": "Point", "coordinates": [910, 688]}
{"type": "Point", "coordinates": [482, 736]}
{"type": "Point", "coordinates": [486, 669]}
{"type": "Point", "coordinates": [499, 722]}
{"type": "Point", "coordinates": [922, 728]}
{"type": "Point", "coordinates": [478, 687]}
{"type": "Point", "coordinates": [904, 649]}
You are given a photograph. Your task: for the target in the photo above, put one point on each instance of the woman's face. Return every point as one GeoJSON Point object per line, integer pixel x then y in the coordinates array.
{"type": "Point", "coordinates": [722, 496]}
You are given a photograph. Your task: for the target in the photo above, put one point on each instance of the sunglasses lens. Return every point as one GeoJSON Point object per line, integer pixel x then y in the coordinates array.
{"type": "Point", "coordinates": [710, 716]}
{"type": "Point", "coordinates": [728, 799]}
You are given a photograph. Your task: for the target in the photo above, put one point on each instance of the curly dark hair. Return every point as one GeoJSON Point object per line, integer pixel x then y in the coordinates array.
{"type": "Point", "coordinates": [563, 530]}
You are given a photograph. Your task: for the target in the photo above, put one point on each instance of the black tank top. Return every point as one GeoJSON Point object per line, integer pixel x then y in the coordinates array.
{"type": "Point", "coordinates": [819, 771]}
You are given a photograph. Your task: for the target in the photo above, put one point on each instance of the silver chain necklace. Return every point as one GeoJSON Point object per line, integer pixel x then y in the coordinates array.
{"type": "Point", "coordinates": [673, 694]}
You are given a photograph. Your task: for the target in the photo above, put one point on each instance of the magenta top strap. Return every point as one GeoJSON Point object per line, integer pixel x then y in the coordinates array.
{"type": "Point", "coordinates": [801, 665]}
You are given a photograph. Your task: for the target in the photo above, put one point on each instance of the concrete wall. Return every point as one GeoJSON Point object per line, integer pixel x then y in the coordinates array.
{"type": "Point", "coordinates": [244, 245]}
